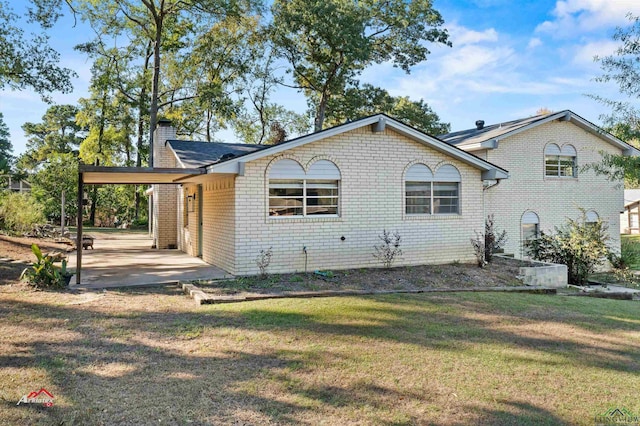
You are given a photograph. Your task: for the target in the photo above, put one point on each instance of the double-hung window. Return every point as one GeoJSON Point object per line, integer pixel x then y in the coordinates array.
{"type": "Point", "coordinates": [426, 193]}
{"type": "Point", "coordinates": [292, 192]}
{"type": "Point", "coordinates": [560, 162]}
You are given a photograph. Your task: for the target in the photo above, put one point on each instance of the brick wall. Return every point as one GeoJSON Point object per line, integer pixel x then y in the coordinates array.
{"type": "Point", "coordinates": [372, 167]}
{"type": "Point", "coordinates": [164, 196]}
{"type": "Point", "coordinates": [219, 223]}
{"type": "Point", "coordinates": [553, 199]}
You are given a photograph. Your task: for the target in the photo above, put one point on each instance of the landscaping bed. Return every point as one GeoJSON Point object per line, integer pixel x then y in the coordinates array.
{"type": "Point", "coordinates": [501, 272]}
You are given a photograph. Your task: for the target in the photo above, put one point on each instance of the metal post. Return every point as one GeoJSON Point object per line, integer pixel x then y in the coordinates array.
{"type": "Point", "coordinates": [79, 230]}
{"type": "Point", "coordinates": [62, 215]}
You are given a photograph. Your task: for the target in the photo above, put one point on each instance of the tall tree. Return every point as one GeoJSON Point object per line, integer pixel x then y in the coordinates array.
{"type": "Point", "coordinates": [623, 68]}
{"type": "Point", "coordinates": [329, 42]}
{"type": "Point", "coordinates": [27, 60]}
{"type": "Point", "coordinates": [57, 133]}
{"type": "Point", "coordinates": [359, 102]}
{"type": "Point", "coordinates": [6, 149]}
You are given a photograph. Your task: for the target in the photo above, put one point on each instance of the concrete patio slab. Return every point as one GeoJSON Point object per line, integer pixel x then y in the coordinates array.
{"type": "Point", "coordinates": [124, 259]}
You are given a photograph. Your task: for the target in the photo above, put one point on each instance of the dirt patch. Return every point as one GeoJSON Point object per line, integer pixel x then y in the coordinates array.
{"type": "Point", "coordinates": [19, 249]}
{"type": "Point", "coordinates": [501, 272]}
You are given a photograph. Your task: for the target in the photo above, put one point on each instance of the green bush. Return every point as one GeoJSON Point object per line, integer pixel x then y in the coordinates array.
{"type": "Point", "coordinates": [628, 257]}
{"type": "Point", "coordinates": [44, 274]}
{"type": "Point", "coordinates": [580, 245]}
{"type": "Point", "coordinates": [19, 212]}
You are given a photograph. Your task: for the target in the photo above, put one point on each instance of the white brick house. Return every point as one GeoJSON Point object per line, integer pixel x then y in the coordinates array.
{"type": "Point", "coordinates": [544, 155]}
{"type": "Point", "coordinates": [321, 201]}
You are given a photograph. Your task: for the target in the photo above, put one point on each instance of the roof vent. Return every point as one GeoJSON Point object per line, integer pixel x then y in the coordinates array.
{"type": "Point", "coordinates": [227, 156]}
{"type": "Point", "coordinates": [480, 124]}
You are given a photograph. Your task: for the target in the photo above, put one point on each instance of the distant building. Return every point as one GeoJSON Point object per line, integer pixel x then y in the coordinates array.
{"type": "Point", "coordinates": [15, 185]}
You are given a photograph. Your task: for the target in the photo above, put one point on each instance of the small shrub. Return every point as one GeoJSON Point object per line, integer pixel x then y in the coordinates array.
{"type": "Point", "coordinates": [580, 245]}
{"type": "Point", "coordinates": [19, 212]}
{"type": "Point", "coordinates": [629, 255]}
{"type": "Point", "coordinates": [389, 250]}
{"type": "Point", "coordinates": [485, 246]}
{"type": "Point", "coordinates": [263, 260]}
{"type": "Point", "coordinates": [44, 274]}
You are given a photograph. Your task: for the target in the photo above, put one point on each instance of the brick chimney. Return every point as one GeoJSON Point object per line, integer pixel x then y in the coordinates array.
{"type": "Point", "coordinates": [165, 197]}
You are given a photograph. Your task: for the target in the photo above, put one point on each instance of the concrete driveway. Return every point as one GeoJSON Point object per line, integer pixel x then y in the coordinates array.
{"type": "Point", "coordinates": [123, 259]}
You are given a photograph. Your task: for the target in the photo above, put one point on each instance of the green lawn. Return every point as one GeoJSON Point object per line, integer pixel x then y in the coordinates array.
{"type": "Point", "coordinates": [152, 356]}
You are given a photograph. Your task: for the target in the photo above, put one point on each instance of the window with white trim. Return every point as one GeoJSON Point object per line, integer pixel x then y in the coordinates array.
{"type": "Point", "coordinates": [426, 193]}
{"type": "Point", "coordinates": [560, 162]}
{"type": "Point", "coordinates": [292, 192]}
{"type": "Point", "coordinates": [530, 224]}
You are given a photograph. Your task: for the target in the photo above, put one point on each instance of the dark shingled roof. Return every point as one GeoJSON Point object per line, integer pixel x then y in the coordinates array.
{"type": "Point", "coordinates": [471, 136]}
{"type": "Point", "coordinates": [198, 154]}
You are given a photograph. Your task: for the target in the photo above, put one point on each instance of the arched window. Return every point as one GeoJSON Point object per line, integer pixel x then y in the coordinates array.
{"type": "Point", "coordinates": [530, 224]}
{"type": "Point", "coordinates": [292, 192]}
{"type": "Point", "coordinates": [591, 217]}
{"type": "Point", "coordinates": [560, 162]}
{"type": "Point", "coordinates": [418, 180]}
{"type": "Point", "coordinates": [426, 193]}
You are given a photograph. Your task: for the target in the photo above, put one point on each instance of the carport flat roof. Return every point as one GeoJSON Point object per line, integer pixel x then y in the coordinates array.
{"type": "Point", "coordinates": [102, 175]}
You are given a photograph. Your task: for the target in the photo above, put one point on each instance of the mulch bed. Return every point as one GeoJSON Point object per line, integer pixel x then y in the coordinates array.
{"type": "Point", "coordinates": [500, 273]}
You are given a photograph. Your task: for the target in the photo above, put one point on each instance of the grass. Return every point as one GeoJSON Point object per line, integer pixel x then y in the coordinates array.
{"type": "Point", "coordinates": [151, 356]}
{"type": "Point", "coordinates": [635, 239]}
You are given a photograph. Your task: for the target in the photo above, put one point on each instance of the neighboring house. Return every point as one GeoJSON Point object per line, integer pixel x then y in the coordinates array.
{"type": "Point", "coordinates": [544, 155]}
{"type": "Point", "coordinates": [321, 201]}
{"type": "Point", "coordinates": [629, 223]}
{"type": "Point", "coordinates": [14, 185]}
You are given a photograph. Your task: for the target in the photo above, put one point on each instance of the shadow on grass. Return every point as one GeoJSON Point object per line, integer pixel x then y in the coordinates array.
{"type": "Point", "coordinates": [128, 368]}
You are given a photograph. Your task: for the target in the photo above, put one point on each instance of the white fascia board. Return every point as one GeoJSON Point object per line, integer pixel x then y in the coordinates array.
{"type": "Point", "coordinates": [445, 148]}
{"type": "Point", "coordinates": [231, 166]}
{"type": "Point", "coordinates": [627, 149]}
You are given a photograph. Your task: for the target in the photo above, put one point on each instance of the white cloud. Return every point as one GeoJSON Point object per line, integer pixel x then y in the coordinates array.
{"type": "Point", "coordinates": [585, 54]}
{"type": "Point", "coordinates": [461, 36]}
{"type": "Point", "coordinates": [534, 42]}
{"type": "Point", "coordinates": [579, 16]}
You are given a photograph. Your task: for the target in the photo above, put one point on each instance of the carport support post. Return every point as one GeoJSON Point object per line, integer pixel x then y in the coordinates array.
{"type": "Point", "coordinates": [79, 230]}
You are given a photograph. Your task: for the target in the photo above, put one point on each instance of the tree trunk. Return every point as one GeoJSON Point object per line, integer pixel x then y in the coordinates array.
{"type": "Point", "coordinates": [320, 111]}
{"type": "Point", "coordinates": [153, 109]}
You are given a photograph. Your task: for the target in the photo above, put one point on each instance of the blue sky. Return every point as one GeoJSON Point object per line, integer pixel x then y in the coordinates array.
{"type": "Point", "coordinates": [508, 60]}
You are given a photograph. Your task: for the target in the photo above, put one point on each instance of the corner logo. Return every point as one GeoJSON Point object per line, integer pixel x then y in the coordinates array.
{"type": "Point", "coordinates": [42, 396]}
{"type": "Point", "coordinates": [617, 416]}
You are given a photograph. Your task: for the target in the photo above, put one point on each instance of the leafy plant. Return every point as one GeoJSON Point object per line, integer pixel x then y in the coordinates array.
{"type": "Point", "coordinates": [485, 246]}
{"type": "Point", "coordinates": [43, 273]}
{"type": "Point", "coordinates": [580, 245]}
{"type": "Point", "coordinates": [389, 250]}
{"type": "Point", "coordinates": [263, 260]}
{"type": "Point", "coordinates": [19, 212]}
{"type": "Point", "coordinates": [629, 255]}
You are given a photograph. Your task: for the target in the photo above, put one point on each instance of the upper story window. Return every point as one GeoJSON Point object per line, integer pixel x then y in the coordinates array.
{"type": "Point", "coordinates": [292, 192]}
{"type": "Point", "coordinates": [560, 162]}
{"type": "Point", "coordinates": [426, 193]}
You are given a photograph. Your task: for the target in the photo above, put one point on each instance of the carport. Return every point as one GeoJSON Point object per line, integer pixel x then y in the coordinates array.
{"type": "Point", "coordinates": [101, 175]}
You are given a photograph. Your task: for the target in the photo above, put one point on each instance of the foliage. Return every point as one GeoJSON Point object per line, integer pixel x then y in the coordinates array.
{"type": "Point", "coordinates": [44, 273]}
{"type": "Point", "coordinates": [580, 245]}
{"type": "Point", "coordinates": [5, 147]}
{"type": "Point", "coordinates": [358, 102]}
{"type": "Point", "coordinates": [58, 133]}
{"type": "Point", "coordinates": [19, 212]}
{"type": "Point", "coordinates": [628, 257]}
{"type": "Point", "coordinates": [623, 68]}
{"type": "Point", "coordinates": [485, 245]}
{"type": "Point", "coordinates": [263, 260]}
{"type": "Point", "coordinates": [389, 250]}
{"type": "Point", "coordinates": [59, 173]}
{"type": "Point", "coordinates": [328, 43]}
{"type": "Point", "coordinates": [27, 61]}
